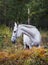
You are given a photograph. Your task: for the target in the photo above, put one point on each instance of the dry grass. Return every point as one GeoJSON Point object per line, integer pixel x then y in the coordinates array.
{"type": "Point", "coordinates": [21, 55]}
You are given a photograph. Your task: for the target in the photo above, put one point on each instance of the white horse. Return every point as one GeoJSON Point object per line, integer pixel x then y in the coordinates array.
{"type": "Point", "coordinates": [31, 35]}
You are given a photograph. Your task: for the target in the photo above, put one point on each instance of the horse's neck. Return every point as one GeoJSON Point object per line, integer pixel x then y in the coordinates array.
{"type": "Point", "coordinates": [24, 26]}
{"type": "Point", "coordinates": [26, 30]}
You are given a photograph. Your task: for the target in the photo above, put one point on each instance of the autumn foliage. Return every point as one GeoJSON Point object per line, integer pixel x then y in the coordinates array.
{"type": "Point", "coordinates": [25, 57]}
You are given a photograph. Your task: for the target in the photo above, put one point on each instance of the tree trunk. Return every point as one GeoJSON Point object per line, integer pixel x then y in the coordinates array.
{"type": "Point", "coordinates": [28, 15]}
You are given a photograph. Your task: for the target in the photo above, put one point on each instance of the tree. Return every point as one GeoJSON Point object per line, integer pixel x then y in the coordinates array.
{"type": "Point", "coordinates": [17, 10]}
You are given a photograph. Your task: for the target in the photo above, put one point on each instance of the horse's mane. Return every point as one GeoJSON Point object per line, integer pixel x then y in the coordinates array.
{"type": "Point", "coordinates": [28, 26]}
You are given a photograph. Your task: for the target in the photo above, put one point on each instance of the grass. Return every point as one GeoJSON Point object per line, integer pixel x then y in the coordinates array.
{"type": "Point", "coordinates": [34, 56]}
{"type": "Point", "coordinates": [44, 34]}
{"type": "Point", "coordinates": [11, 54]}
{"type": "Point", "coordinates": [5, 36]}
{"type": "Point", "coordinates": [4, 30]}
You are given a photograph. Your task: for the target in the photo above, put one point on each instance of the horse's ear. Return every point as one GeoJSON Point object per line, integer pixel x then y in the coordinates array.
{"type": "Point", "coordinates": [15, 24]}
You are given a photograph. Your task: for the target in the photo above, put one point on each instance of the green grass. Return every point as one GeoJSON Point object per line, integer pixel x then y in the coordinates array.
{"type": "Point", "coordinates": [5, 36]}
{"type": "Point", "coordinates": [4, 30]}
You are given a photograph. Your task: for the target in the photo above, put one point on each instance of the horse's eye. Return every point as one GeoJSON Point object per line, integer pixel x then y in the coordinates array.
{"type": "Point", "coordinates": [14, 31]}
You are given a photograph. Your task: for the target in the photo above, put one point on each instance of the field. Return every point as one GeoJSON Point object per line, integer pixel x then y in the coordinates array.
{"type": "Point", "coordinates": [11, 54]}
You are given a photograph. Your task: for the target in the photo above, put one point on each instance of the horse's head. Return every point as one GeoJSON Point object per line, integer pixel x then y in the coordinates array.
{"type": "Point", "coordinates": [13, 38]}
{"type": "Point", "coordinates": [16, 32]}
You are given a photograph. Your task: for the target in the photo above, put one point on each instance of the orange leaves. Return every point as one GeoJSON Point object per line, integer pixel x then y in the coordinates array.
{"type": "Point", "coordinates": [27, 53]}
{"type": "Point", "coordinates": [3, 55]}
{"type": "Point", "coordinates": [24, 54]}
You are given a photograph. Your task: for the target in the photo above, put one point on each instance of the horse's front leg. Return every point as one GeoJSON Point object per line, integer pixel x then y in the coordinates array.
{"type": "Point", "coordinates": [24, 46]}
{"type": "Point", "coordinates": [39, 46]}
{"type": "Point", "coordinates": [27, 46]}
{"type": "Point", "coordinates": [30, 46]}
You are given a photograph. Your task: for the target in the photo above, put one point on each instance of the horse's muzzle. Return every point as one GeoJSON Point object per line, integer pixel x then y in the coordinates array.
{"type": "Point", "coordinates": [13, 42]}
